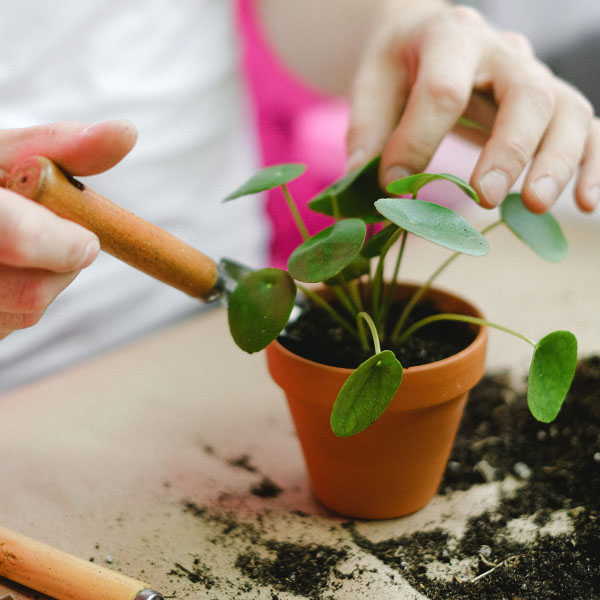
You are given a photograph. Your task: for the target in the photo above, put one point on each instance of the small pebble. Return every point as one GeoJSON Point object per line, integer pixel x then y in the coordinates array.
{"type": "Point", "coordinates": [522, 470]}
{"type": "Point", "coordinates": [542, 435]}
{"type": "Point", "coordinates": [597, 457]}
{"type": "Point", "coordinates": [110, 559]}
{"type": "Point", "coordinates": [454, 466]}
{"type": "Point", "coordinates": [486, 470]}
{"type": "Point", "coordinates": [485, 551]}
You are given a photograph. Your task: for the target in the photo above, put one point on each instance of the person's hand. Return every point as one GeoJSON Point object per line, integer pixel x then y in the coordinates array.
{"type": "Point", "coordinates": [40, 253]}
{"type": "Point", "coordinates": [421, 72]}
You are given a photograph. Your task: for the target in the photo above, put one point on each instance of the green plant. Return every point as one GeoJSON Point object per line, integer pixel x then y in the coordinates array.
{"type": "Point", "coordinates": [342, 255]}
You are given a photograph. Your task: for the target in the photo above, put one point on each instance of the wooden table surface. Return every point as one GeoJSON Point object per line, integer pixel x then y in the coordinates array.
{"type": "Point", "coordinates": [174, 457]}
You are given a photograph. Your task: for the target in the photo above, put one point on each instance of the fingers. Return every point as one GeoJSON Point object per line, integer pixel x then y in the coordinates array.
{"type": "Point", "coordinates": [40, 254]}
{"type": "Point", "coordinates": [33, 237]}
{"type": "Point", "coordinates": [587, 191]}
{"type": "Point", "coordinates": [373, 116]}
{"type": "Point", "coordinates": [448, 56]}
{"type": "Point", "coordinates": [560, 152]}
{"type": "Point", "coordinates": [411, 89]}
{"type": "Point", "coordinates": [420, 82]}
{"type": "Point", "coordinates": [79, 148]}
{"type": "Point", "coordinates": [526, 106]}
{"type": "Point", "coordinates": [25, 294]}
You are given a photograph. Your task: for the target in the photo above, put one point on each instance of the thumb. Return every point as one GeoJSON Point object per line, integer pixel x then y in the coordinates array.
{"type": "Point", "coordinates": [79, 148]}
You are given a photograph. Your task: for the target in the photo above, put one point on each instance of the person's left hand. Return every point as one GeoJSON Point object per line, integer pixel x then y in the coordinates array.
{"type": "Point", "coordinates": [422, 72]}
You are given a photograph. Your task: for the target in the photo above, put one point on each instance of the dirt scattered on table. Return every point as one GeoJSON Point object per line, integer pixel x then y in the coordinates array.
{"type": "Point", "coordinates": [303, 569]}
{"type": "Point", "coordinates": [542, 541]}
{"type": "Point", "coordinates": [266, 489]}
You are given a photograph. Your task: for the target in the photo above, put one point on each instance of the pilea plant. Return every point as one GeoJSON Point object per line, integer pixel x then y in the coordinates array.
{"type": "Point", "coordinates": [342, 256]}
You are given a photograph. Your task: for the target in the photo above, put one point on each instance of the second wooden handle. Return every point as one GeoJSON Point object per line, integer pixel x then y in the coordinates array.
{"type": "Point", "coordinates": [61, 575]}
{"type": "Point", "coordinates": [129, 238]}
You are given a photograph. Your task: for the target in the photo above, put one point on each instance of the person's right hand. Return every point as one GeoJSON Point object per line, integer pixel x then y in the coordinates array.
{"type": "Point", "coordinates": [41, 253]}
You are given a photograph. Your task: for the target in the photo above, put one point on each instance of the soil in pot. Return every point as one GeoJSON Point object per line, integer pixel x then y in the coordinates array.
{"type": "Point", "coordinates": [315, 335]}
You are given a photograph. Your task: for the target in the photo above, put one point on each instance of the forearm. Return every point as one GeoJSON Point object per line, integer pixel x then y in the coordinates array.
{"type": "Point", "coordinates": [323, 41]}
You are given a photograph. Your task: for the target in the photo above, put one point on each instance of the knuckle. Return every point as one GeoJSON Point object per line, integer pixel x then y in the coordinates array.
{"type": "Point", "coordinates": [417, 155]}
{"type": "Point", "coordinates": [34, 295]}
{"type": "Point", "coordinates": [537, 87]}
{"type": "Point", "coordinates": [517, 155]}
{"type": "Point", "coordinates": [466, 16]}
{"type": "Point", "coordinates": [517, 42]}
{"type": "Point", "coordinates": [14, 243]}
{"type": "Point", "coordinates": [583, 106]}
{"type": "Point", "coordinates": [30, 319]}
{"type": "Point", "coordinates": [448, 96]}
{"type": "Point", "coordinates": [12, 321]}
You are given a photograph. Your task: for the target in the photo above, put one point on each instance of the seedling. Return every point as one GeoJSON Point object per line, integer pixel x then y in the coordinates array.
{"type": "Point", "coordinates": [342, 256]}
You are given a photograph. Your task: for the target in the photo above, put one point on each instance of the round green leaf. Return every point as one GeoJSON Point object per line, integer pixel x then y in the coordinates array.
{"type": "Point", "coordinates": [357, 268]}
{"type": "Point", "coordinates": [375, 245]}
{"type": "Point", "coordinates": [353, 195]}
{"type": "Point", "coordinates": [540, 232]}
{"type": "Point", "coordinates": [267, 179]}
{"type": "Point", "coordinates": [259, 308]}
{"type": "Point", "coordinates": [550, 375]}
{"type": "Point", "coordinates": [413, 183]}
{"type": "Point", "coordinates": [328, 252]}
{"type": "Point", "coordinates": [366, 394]}
{"type": "Point", "coordinates": [435, 223]}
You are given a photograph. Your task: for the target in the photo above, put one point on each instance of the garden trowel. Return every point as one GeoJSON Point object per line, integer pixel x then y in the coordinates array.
{"type": "Point", "coordinates": [124, 235]}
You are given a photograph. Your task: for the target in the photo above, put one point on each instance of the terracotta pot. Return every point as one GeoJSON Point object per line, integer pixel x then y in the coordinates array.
{"type": "Point", "coordinates": [395, 466]}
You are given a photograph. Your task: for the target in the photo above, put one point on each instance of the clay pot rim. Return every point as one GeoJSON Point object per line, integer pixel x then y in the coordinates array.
{"type": "Point", "coordinates": [416, 370]}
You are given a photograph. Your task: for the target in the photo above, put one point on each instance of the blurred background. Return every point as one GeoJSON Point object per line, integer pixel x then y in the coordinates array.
{"type": "Point", "coordinates": [297, 124]}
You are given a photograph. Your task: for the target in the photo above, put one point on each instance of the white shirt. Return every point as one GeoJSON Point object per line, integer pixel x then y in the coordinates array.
{"type": "Point", "coordinates": [170, 67]}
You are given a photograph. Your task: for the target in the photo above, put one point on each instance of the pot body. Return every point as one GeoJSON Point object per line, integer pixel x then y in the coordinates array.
{"type": "Point", "coordinates": [394, 467]}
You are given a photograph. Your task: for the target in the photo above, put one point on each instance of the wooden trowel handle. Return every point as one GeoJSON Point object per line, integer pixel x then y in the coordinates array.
{"type": "Point", "coordinates": [121, 233]}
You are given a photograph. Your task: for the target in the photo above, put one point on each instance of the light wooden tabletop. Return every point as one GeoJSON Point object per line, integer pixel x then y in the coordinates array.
{"type": "Point", "coordinates": [174, 457]}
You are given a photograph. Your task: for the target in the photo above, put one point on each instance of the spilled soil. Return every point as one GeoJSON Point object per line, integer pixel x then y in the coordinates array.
{"type": "Point", "coordinates": [542, 540]}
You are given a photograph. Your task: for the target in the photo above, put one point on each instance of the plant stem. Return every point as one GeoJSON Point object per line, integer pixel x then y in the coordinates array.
{"type": "Point", "coordinates": [327, 307]}
{"type": "Point", "coordinates": [465, 122]}
{"type": "Point", "coordinates": [342, 296]}
{"type": "Point", "coordinates": [463, 318]}
{"type": "Point", "coordinates": [369, 321]}
{"type": "Point", "coordinates": [352, 291]}
{"type": "Point", "coordinates": [378, 277]}
{"type": "Point", "coordinates": [421, 291]}
{"type": "Point", "coordinates": [295, 213]}
{"type": "Point", "coordinates": [394, 280]}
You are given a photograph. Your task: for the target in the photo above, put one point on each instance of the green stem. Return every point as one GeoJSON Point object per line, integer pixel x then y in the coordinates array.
{"type": "Point", "coordinates": [327, 307]}
{"type": "Point", "coordinates": [378, 277]}
{"type": "Point", "coordinates": [362, 334]}
{"type": "Point", "coordinates": [465, 122]}
{"type": "Point", "coordinates": [343, 297]}
{"type": "Point", "coordinates": [295, 213]}
{"type": "Point", "coordinates": [352, 291]}
{"type": "Point", "coordinates": [464, 319]}
{"type": "Point", "coordinates": [421, 291]}
{"type": "Point", "coordinates": [369, 321]}
{"type": "Point", "coordinates": [391, 291]}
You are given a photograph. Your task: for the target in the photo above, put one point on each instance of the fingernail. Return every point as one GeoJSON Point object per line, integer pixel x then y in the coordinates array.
{"type": "Point", "coordinates": [593, 197]}
{"type": "Point", "coordinates": [356, 159]}
{"type": "Point", "coordinates": [494, 186]}
{"type": "Point", "coordinates": [395, 172]}
{"type": "Point", "coordinates": [123, 124]}
{"type": "Point", "coordinates": [90, 253]}
{"type": "Point", "coordinates": [545, 189]}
